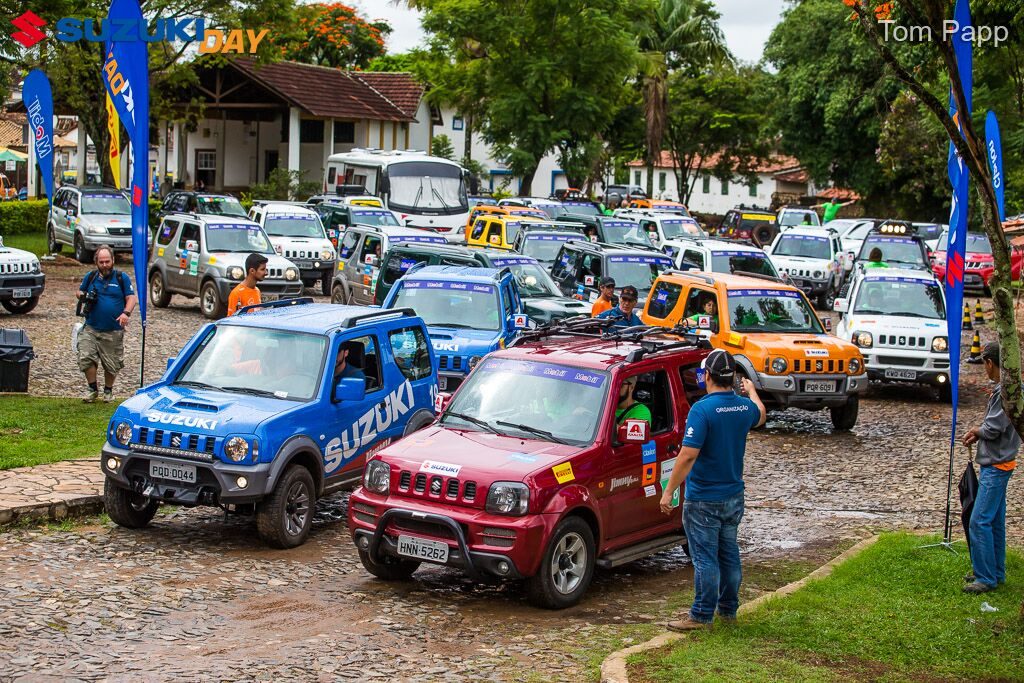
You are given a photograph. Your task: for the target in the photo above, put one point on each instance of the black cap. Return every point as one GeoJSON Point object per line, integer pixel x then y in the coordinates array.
{"type": "Point", "coordinates": [629, 291]}
{"type": "Point", "coordinates": [720, 365]}
{"type": "Point", "coordinates": [605, 281]}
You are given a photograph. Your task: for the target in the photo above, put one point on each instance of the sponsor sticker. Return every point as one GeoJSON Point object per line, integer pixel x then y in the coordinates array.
{"type": "Point", "coordinates": [523, 457]}
{"type": "Point", "coordinates": [649, 451]}
{"type": "Point", "coordinates": [816, 353]}
{"type": "Point", "coordinates": [649, 474]}
{"type": "Point", "coordinates": [656, 260]}
{"type": "Point", "coordinates": [650, 491]}
{"type": "Point", "coordinates": [435, 467]}
{"type": "Point", "coordinates": [559, 372]}
{"type": "Point", "coordinates": [666, 472]}
{"type": "Point", "coordinates": [636, 430]}
{"type": "Point", "coordinates": [622, 482]}
{"type": "Point", "coordinates": [563, 473]}
{"type": "Point", "coordinates": [786, 294]}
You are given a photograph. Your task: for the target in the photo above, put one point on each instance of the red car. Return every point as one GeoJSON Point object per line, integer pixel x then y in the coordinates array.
{"type": "Point", "coordinates": [978, 266]}
{"type": "Point", "coordinates": [526, 474]}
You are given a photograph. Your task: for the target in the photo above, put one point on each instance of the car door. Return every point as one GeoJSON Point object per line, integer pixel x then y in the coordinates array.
{"type": "Point", "coordinates": [563, 271]}
{"type": "Point", "coordinates": [57, 214]}
{"type": "Point", "coordinates": [367, 265]}
{"type": "Point", "coordinates": [72, 216]}
{"type": "Point", "coordinates": [181, 275]}
{"type": "Point", "coordinates": [691, 259]}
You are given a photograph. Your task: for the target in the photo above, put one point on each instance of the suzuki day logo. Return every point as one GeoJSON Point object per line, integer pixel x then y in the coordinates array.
{"type": "Point", "coordinates": [70, 30]}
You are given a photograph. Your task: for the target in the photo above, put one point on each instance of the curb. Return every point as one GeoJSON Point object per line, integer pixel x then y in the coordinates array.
{"type": "Point", "coordinates": [614, 670]}
{"type": "Point", "coordinates": [53, 511]}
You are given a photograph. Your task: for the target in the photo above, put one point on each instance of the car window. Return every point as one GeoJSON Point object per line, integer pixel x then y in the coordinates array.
{"type": "Point", "coordinates": [698, 313]}
{"type": "Point", "coordinates": [494, 232]}
{"type": "Point", "coordinates": [663, 299]}
{"type": "Point", "coordinates": [478, 228]}
{"type": "Point", "coordinates": [565, 264]}
{"type": "Point", "coordinates": [591, 266]}
{"type": "Point", "coordinates": [412, 354]}
{"type": "Point", "coordinates": [693, 259]}
{"type": "Point", "coordinates": [363, 355]}
{"type": "Point", "coordinates": [506, 295]}
{"type": "Point", "coordinates": [653, 391]}
{"type": "Point", "coordinates": [348, 245]}
{"type": "Point", "coordinates": [73, 202]}
{"type": "Point", "coordinates": [189, 231]}
{"type": "Point", "coordinates": [371, 247]}
{"type": "Point", "coordinates": [180, 203]}
{"type": "Point", "coordinates": [691, 383]}
{"type": "Point", "coordinates": [397, 264]}
{"type": "Point", "coordinates": [167, 229]}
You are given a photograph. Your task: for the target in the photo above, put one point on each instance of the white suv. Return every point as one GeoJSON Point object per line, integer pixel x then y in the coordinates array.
{"type": "Point", "coordinates": [724, 256]}
{"type": "Point", "coordinates": [668, 231]}
{"type": "Point", "coordinates": [298, 235]}
{"type": "Point", "coordinates": [897, 317]}
{"type": "Point", "coordinates": [813, 259]}
{"type": "Point", "coordinates": [21, 281]}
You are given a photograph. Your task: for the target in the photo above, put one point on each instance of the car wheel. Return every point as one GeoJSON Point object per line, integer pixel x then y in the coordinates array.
{"type": "Point", "coordinates": [20, 306]}
{"type": "Point", "coordinates": [763, 236]}
{"type": "Point", "coordinates": [127, 508]}
{"type": "Point", "coordinates": [845, 417]}
{"type": "Point", "coordinates": [946, 393]}
{"type": "Point", "coordinates": [338, 295]}
{"type": "Point", "coordinates": [52, 245]}
{"type": "Point", "coordinates": [567, 567]}
{"type": "Point", "coordinates": [284, 519]}
{"type": "Point", "coordinates": [210, 303]}
{"type": "Point", "coordinates": [158, 294]}
{"type": "Point", "coordinates": [325, 285]}
{"type": "Point", "coordinates": [390, 568]}
{"type": "Point", "coordinates": [82, 255]}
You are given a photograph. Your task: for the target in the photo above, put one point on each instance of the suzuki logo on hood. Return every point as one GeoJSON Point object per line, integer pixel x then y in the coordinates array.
{"type": "Point", "coordinates": [181, 420]}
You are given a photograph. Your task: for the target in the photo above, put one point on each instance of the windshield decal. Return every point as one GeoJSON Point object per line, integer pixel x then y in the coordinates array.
{"type": "Point", "coordinates": [813, 238]}
{"type": "Point", "coordinates": [553, 238]}
{"type": "Point", "coordinates": [751, 254]}
{"type": "Point", "coordinates": [896, 240]}
{"type": "Point", "coordinates": [512, 261]}
{"type": "Point", "coordinates": [104, 195]}
{"type": "Point", "coordinates": [370, 213]}
{"type": "Point", "coordinates": [559, 372]}
{"type": "Point", "coordinates": [406, 264]}
{"type": "Point", "coordinates": [619, 224]}
{"type": "Point", "coordinates": [291, 217]}
{"type": "Point", "coordinates": [206, 200]}
{"type": "Point", "coordinates": [660, 260]}
{"type": "Point", "coordinates": [430, 239]}
{"type": "Point", "coordinates": [764, 292]}
{"type": "Point", "coordinates": [461, 286]}
{"type": "Point", "coordinates": [911, 280]}
{"type": "Point", "coordinates": [364, 430]}
{"type": "Point", "coordinates": [232, 226]}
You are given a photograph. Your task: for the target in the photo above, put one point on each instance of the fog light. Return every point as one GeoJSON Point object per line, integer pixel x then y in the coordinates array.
{"type": "Point", "coordinates": [112, 463]}
{"type": "Point", "coordinates": [941, 379]}
{"type": "Point", "coordinates": [364, 543]}
{"type": "Point", "coordinates": [241, 482]}
{"type": "Point", "coordinates": [316, 264]}
{"type": "Point", "coordinates": [788, 383]}
{"type": "Point", "coordinates": [503, 567]}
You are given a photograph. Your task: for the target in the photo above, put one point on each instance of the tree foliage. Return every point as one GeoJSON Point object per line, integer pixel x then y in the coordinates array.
{"type": "Point", "coordinates": [333, 34]}
{"type": "Point", "coordinates": [441, 146]}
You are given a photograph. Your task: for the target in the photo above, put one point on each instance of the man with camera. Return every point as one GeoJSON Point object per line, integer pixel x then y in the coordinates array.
{"type": "Point", "coordinates": [106, 299]}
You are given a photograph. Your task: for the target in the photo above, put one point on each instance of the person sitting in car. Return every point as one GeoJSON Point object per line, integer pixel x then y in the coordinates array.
{"type": "Point", "coordinates": [629, 408]}
{"type": "Point", "coordinates": [709, 309]}
{"type": "Point", "coordinates": [343, 369]}
{"type": "Point", "coordinates": [875, 259]}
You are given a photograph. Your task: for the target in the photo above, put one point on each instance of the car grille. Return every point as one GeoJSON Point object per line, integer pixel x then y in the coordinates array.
{"type": "Point", "coordinates": [301, 253]}
{"type": "Point", "coordinates": [450, 363]}
{"type": "Point", "coordinates": [498, 537]}
{"type": "Point", "coordinates": [275, 273]}
{"type": "Point", "coordinates": [824, 365]}
{"type": "Point", "coordinates": [900, 360]}
{"type": "Point", "coordinates": [902, 341]}
{"type": "Point", "coordinates": [803, 272]}
{"type": "Point", "coordinates": [365, 513]}
{"type": "Point", "coordinates": [12, 268]}
{"type": "Point", "coordinates": [119, 231]}
{"type": "Point", "coordinates": [978, 265]}
{"type": "Point", "coordinates": [180, 444]}
{"type": "Point", "coordinates": [436, 486]}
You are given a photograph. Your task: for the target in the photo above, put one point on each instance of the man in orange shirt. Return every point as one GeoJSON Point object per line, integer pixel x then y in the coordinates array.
{"type": "Point", "coordinates": [246, 293]}
{"type": "Point", "coordinates": [606, 301]}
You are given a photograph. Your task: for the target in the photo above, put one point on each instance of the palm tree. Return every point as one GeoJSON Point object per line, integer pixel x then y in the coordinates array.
{"type": "Point", "coordinates": [678, 34]}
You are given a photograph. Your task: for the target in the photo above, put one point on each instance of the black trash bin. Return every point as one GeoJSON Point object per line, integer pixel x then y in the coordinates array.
{"type": "Point", "coordinates": [15, 356]}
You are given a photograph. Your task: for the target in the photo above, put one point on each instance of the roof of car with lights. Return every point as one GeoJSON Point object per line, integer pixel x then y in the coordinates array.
{"type": "Point", "coordinates": [726, 280]}
{"type": "Point", "coordinates": [459, 273]}
{"type": "Point", "coordinates": [582, 352]}
{"type": "Point", "coordinates": [306, 317]}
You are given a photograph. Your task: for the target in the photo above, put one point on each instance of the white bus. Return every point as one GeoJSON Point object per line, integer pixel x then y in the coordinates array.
{"type": "Point", "coordinates": [424, 191]}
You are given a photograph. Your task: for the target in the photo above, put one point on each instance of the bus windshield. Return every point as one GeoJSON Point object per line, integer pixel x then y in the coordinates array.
{"type": "Point", "coordinates": [427, 186]}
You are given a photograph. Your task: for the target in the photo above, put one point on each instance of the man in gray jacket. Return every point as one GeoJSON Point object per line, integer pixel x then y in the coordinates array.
{"type": "Point", "coordinates": [998, 443]}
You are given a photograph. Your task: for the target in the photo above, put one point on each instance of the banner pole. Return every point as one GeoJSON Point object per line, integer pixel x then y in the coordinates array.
{"type": "Point", "coordinates": [142, 368]}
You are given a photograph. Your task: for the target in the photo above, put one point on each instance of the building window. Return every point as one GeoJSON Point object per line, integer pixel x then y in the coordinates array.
{"type": "Point", "coordinates": [636, 178]}
{"type": "Point", "coordinates": [344, 132]}
{"type": "Point", "coordinates": [707, 184]}
{"type": "Point", "coordinates": [753, 188]}
{"type": "Point", "coordinates": [662, 179]}
{"type": "Point", "coordinates": [457, 123]}
{"type": "Point", "coordinates": [206, 160]}
{"type": "Point", "coordinates": [311, 130]}
{"type": "Point", "coordinates": [725, 187]}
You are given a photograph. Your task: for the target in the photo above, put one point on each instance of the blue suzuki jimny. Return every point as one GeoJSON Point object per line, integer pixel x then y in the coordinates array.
{"type": "Point", "coordinates": [261, 413]}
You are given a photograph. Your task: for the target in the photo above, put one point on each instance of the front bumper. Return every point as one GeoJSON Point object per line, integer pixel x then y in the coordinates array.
{"type": "Point", "coordinates": [790, 391]}
{"type": "Point", "coordinates": [275, 287]}
{"type": "Point", "coordinates": [215, 480]}
{"type": "Point", "coordinates": [895, 365]}
{"type": "Point", "coordinates": [808, 285]}
{"type": "Point", "coordinates": [977, 279]}
{"type": "Point", "coordinates": [314, 270]}
{"type": "Point", "coordinates": [116, 242]}
{"type": "Point", "coordinates": [32, 282]}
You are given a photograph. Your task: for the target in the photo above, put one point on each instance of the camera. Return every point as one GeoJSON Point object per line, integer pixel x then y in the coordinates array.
{"type": "Point", "coordinates": [85, 304]}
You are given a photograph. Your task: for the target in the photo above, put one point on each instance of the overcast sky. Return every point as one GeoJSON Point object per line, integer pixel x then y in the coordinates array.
{"type": "Point", "coordinates": [746, 24]}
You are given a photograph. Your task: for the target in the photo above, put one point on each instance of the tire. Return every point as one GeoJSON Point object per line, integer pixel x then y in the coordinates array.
{"type": "Point", "coordinates": [210, 303]}
{"type": "Point", "coordinates": [158, 294]}
{"type": "Point", "coordinates": [571, 548]}
{"type": "Point", "coordinates": [325, 285]}
{"type": "Point", "coordinates": [338, 294]}
{"type": "Point", "coordinates": [946, 393]}
{"type": "Point", "coordinates": [20, 306]}
{"type": "Point", "coordinates": [845, 417]}
{"type": "Point", "coordinates": [284, 519]}
{"type": "Point", "coordinates": [127, 508]}
{"type": "Point", "coordinates": [419, 421]}
{"type": "Point", "coordinates": [52, 245]}
{"type": "Point", "coordinates": [763, 235]}
{"type": "Point", "coordinates": [82, 254]}
{"type": "Point", "coordinates": [390, 569]}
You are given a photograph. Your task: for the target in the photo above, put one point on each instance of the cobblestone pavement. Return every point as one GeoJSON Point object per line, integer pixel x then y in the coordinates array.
{"type": "Point", "coordinates": [57, 486]}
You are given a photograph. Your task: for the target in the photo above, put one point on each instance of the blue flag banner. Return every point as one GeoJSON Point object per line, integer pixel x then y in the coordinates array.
{"type": "Point", "coordinates": [38, 99]}
{"type": "Point", "coordinates": [126, 75]}
{"type": "Point", "coordinates": [958, 179]}
{"type": "Point", "coordinates": [994, 152]}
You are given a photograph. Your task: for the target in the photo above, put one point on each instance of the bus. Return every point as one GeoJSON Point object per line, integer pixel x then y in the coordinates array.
{"type": "Point", "coordinates": [424, 191]}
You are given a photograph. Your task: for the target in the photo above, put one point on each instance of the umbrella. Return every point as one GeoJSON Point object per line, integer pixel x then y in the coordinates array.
{"type": "Point", "coordinates": [11, 155]}
{"type": "Point", "coordinates": [968, 488]}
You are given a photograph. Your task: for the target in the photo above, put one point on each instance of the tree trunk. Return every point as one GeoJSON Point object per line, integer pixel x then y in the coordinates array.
{"type": "Point", "coordinates": [526, 180]}
{"type": "Point", "coordinates": [650, 181]}
{"type": "Point", "coordinates": [467, 140]}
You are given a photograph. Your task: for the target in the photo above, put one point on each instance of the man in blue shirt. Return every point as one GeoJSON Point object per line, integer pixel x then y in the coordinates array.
{"type": "Point", "coordinates": [623, 314]}
{"type": "Point", "coordinates": [101, 339]}
{"type": "Point", "coordinates": [712, 456]}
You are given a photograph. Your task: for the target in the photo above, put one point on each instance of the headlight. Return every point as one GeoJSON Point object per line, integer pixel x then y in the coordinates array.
{"type": "Point", "coordinates": [236, 448]}
{"type": "Point", "coordinates": [377, 476]}
{"type": "Point", "coordinates": [96, 230]}
{"type": "Point", "coordinates": [473, 361]}
{"type": "Point", "coordinates": [940, 344]}
{"type": "Point", "coordinates": [854, 366]}
{"type": "Point", "coordinates": [779, 365]}
{"type": "Point", "coordinates": [35, 266]}
{"type": "Point", "coordinates": [326, 254]}
{"type": "Point", "coordinates": [508, 498]}
{"type": "Point", "coordinates": [123, 433]}
{"type": "Point", "coordinates": [236, 273]}
{"type": "Point", "coordinates": [291, 274]}
{"type": "Point", "coordinates": [818, 275]}
{"type": "Point", "coordinates": [863, 339]}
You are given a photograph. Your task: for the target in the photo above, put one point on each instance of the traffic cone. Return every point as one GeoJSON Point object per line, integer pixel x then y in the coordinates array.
{"type": "Point", "coordinates": [967, 317]}
{"type": "Point", "coordinates": [975, 356]}
{"type": "Point", "coordinates": [979, 317]}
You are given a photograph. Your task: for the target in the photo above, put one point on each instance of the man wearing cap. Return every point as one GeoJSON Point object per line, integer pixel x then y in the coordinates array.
{"type": "Point", "coordinates": [606, 300]}
{"type": "Point", "coordinates": [998, 443]}
{"type": "Point", "coordinates": [623, 314]}
{"type": "Point", "coordinates": [712, 456]}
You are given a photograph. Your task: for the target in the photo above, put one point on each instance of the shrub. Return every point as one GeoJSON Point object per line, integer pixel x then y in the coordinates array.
{"type": "Point", "coordinates": [19, 218]}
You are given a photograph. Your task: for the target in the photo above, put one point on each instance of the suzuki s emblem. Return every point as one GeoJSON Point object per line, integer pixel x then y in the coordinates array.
{"type": "Point", "coordinates": [435, 486]}
{"type": "Point", "coordinates": [176, 441]}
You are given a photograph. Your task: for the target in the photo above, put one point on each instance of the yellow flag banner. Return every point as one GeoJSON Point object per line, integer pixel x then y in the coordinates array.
{"type": "Point", "coordinates": [115, 142]}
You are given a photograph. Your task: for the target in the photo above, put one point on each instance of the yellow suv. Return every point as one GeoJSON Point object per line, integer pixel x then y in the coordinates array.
{"type": "Point", "coordinates": [497, 231]}
{"type": "Point", "coordinates": [778, 341]}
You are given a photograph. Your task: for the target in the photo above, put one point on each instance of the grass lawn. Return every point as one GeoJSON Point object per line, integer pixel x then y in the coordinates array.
{"type": "Point", "coordinates": [34, 242]}
{"type": "Point", "coordinates": [894, 612]}
{"type": "Point", "coordinates": [38, 430]}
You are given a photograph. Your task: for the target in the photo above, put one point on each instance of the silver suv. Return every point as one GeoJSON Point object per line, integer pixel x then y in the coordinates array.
{"type": "Point", "coordinates": [359, 255]}
{"type": "Point", "coordinates": [87, 217]}
{"type": "Point", "coordinates": [204, 256]}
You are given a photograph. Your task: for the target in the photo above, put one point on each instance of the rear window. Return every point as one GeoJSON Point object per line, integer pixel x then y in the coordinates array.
{"type": "Point", "coordinates": [743, 262]}
{"type": "Point", "coordinates": [663, 299]}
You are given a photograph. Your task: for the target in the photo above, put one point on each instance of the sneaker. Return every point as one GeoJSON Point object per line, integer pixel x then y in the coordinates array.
{"type": "Point", "coordinates": [978, 587]}
{"type": "Point", "coordinates": [969, 578]}
{"type": "Point", "coordinates": [91, 396]}
{"type": "Point", "coordinates": [108, 395]}
{"type": "Point", "coordinates": [687, 623]}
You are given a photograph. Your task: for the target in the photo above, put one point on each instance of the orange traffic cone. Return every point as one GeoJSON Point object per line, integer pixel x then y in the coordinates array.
{"type": "Point", "coordinates": [979, 317]}
{"type": "Point", "coordinates": [975, 356]}
{"type": "Point", "coordinates": [967, 317]}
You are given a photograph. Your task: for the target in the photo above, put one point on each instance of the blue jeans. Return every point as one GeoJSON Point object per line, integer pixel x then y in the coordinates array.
{"type": "Point", "coordinates": [988, 526]}
{"type": "Point", "coordinates": [711, 528]}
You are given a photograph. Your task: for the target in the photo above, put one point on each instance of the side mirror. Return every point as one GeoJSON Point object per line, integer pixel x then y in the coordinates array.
{"type": "Point", "coordinates": [350, 389]}
{"type": "Point", "coordinates": [441, 402]}
{"type": "Point", "coordinates": [634, 431]}
{"type": "Point", "coordinates": [841, 306]}
{"type": "Point", "coordinates": [191, 245]}
{"type": "Point", "coordinates": [72, 211]}
{"type": "Point", "coordinates": [848, 261]}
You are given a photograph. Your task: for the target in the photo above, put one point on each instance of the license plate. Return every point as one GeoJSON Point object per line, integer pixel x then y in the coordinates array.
{"type": "Point", "coordinates": [268, 297]}
{"type": "Point", "coordinates": [22, 293]}
{"type": "Point", "coordinates": [442, 383]}
{"type": "Point", "coordinates": [820, 387]}
{"type": "Point", "coordinates": [159, 469]}
{"type": "Point", "coordinates": [422, 549]}
{"type": "Point", "coordinates": [900, 374]}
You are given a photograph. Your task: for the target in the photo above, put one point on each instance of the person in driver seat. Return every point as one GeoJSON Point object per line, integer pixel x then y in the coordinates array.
{"type": "Point", "coordinates": [629, 408]}
{"type": "Point", "coordinates": [343, 369]}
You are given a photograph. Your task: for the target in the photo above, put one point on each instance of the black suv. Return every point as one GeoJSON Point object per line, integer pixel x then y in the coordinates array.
{"type": "Point", "coordinates": [337, 217]}
{"type": "Point", "coordinates": [612, 230]}
{"type": "Point", "coordinates": [749, 223]}
{"type": "Point", "coordinates": [205, 203]}
{"type": "Point", "coordinates": [543, 240]}
{"type": "Point", "coordinates": [581, 264]}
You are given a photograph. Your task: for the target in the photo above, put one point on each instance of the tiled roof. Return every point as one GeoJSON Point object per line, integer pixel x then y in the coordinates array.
{"type": "Point", "coordinates": [840, 193]}
{"type": "Point", "coordinates": [400, 88]}
{"type": "Point", "coordinates": [772, 165]}
{"type": "Point", "coordinates": [795, 176]}
{"type": "Point", "coordinates": [323, 91]}
{"type": "Point", "coordinates": [11, 130]}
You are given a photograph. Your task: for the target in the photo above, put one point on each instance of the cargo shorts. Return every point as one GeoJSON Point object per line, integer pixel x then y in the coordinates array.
{"type": "Point", "coordinates": [96, 348]}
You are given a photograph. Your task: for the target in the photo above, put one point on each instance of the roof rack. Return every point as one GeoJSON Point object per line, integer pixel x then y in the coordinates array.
{"type": "Point", "coordinates": [385, 313]}
{"type": "Point", "coordinates": [280, 303]}
{"type": "Point", "coordinates": [604, 329]}
{"type": "Point", "coordinates": [696, 274]}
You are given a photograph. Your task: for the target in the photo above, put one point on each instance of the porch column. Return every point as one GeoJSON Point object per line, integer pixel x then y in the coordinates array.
{"type": "Point", "coordinates": [294, 140]}
{"type": "Point", "coordinates": [328, 140]}
{"type": "Point", "coordinates": [218, 174]}
{"type": "Point", "coordinates": [83, 143]}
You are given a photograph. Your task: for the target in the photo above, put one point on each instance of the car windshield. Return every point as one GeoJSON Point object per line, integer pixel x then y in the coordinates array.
{"type": "Point", "coordinates": [237, 238]}
{"type": "Point", "coordinates": [806, 246]}
{"type": "Point", "coordinates": [625, 232]}
{"type": "Point", "coordinates": [977, 244]}
{"type": "Point", "coordinates": [552, 210]}
{"type": "Point", "coordinates": [799, 218]}
{"type": "Point", "coordinates": [584, 208]}
{"type": "Point", "coordinates": [108, 203]}
{"type": "Point", "coordinates": [545, 247]}
{"type": "Point", "coordinates": [559, 400]}
{"type": "Point", "coordinates": [771, 310]}
{"type": "Point", "coordinates": [533, 280]}
{"type": "Point", "coordinates": [221, 206]}
{"type": "Point", "coordinates": [675, 228]}
{"type": "Point", "coordinates": [742, 262]}
{"type": "Point", "coordinates": [638, 271]}
{"type": "Point", "coordinates": [294, 225]}
{"type": "Point", "coordinates": [451, 304]}
{"type": "Point", "coordinates": [900, 296]}
{"type": "Point", "coordinates": [418, 186]}
{"type": "Point", "coordinates": [898, 250]}
{"type": "Point", "coordinates": [265, 362]}
{"type": "Point", "coordinates": [363, 217]}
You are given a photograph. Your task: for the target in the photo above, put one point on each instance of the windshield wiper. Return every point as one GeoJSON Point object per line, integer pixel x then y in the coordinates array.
{"type": "Point", "coordinates": [532, 430]}
{"type": "Point", "coordinates": [198, 385]}
{"type": "Point", "coordinates": [869, 311]}
{"type": "Point", "coordinates": [251, 390]}
{"type": "Point", "coordinates": [419, 193]}
{"type": "Point", "coordinates": [474, 420]}
{"type": "Point", "coordinates": [437, 194]}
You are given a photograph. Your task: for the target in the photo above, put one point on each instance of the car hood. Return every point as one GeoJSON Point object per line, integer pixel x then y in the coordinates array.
{"type": "Point", "coordinates": [200, 411]}
{"type": "Point", "coordinates": [800, 262]}
{"type": "Point", "coordinates": [889, 324]}
{"type": "Point", "coordinates": [317, 243]}
{"type": "Point", "coordinates": [460, 340]}
{"type": "Point", "coordinates": [12, 255]}
{"type": "Point", "coordinates": [791, 345]}
{"type": "Point", "coordinates": [546, 309]}
{"type": "Point", "coordinates": [118, 219]}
